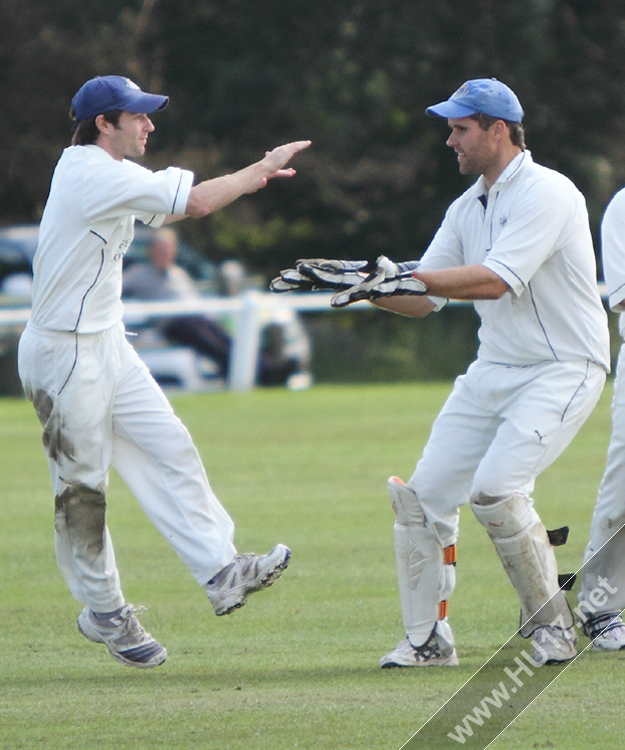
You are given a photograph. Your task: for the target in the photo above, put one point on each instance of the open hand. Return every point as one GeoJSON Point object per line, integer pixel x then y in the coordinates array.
{"type": "Point", "coordinates": [280, 156]}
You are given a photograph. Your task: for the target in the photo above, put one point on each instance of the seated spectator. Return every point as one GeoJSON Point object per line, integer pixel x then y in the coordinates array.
{"type": "Point", "coordinates": [162, 279]}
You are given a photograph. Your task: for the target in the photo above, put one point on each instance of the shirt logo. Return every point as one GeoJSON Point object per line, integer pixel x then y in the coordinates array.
{"type": "Point", "coordinates": [503, 220]}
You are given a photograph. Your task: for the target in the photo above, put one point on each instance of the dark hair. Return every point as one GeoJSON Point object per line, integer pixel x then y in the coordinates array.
{"type": "Point", "coordinates": [516, 130]}
{"type": "Point", "coordinates": [87, 131]}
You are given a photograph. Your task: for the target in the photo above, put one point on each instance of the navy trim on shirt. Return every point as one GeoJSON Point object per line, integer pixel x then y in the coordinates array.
{"type": "Point", "coordinates": [177, 191]}
{"type": "Point", "coordinates": [95, 281]}
{"type": "Point", "coordinates": [540, 323]}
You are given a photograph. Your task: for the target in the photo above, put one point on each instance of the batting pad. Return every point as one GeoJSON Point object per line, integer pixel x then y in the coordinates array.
{"type": "Point", "coordinates": [523, 546]}
{"type": "Point", "coordinates": [423, 577]}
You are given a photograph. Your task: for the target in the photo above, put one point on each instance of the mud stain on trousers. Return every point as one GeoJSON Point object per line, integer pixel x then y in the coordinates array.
{"type": "Point", "coordinates": [82, 511]}
{"type": "Point", "coordinates": [55, 440]}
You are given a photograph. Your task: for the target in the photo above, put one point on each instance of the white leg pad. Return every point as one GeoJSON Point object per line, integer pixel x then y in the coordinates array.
{"type": "Point", "coordinates": [444, 636]}
{"type": "Point", "coordinates": [424, 579]}
{"type": "Point", "coordinates": [523, 546]}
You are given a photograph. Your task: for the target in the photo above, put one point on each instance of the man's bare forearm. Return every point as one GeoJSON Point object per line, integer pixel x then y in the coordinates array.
{"type": "Point", "coordinates": [411, 306]}
{"type": "Point", "coordinates": [211, 195]}
{"type": "Point", "coordinates": [464, 282]}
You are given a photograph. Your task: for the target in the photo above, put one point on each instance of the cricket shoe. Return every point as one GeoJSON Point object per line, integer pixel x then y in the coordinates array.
{"type": "Point", "coordinates": [606, 631]}
{"type": "Point", "coordinates": [552, 644]}
{"type": "Point", "coordinates": [430, 654]}
{"type": "Point", "coordinates": [124, 637]}
{"type": "Point", "coordinates": [247, 573]}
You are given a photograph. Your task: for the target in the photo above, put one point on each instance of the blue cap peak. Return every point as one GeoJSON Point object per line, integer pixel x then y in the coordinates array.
{"type": "Point", "coordinates": [106, 93]}
{"type": "Point", "coordinates": [487, 96]}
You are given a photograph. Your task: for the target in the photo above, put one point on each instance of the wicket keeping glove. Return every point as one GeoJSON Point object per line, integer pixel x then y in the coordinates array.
{"type": "Point", "coordinates": [387, 280]}
{"type": "Point", "coordinates": [291, 280]}
{"type": "Point", "coordinates": [319, 274]}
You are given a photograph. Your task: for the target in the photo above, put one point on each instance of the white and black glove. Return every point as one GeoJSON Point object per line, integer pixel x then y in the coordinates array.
{"type": "Point", "coordinates": [387, 280]}
{"type": "Point", "coordinates": [320, 274]}
{"type": "Point", "coordinates": [291, 280]}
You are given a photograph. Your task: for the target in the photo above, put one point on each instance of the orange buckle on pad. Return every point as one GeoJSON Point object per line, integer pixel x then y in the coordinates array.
{"type": "Point", "coordinates": [449, 554]}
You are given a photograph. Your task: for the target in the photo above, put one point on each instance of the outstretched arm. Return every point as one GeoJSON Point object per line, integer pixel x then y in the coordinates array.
{"type": "Point", "coordinates": [464, 282]}
{"type": "Point", "coordinates": [412, 307]}
{"type": "Point", "coordinates": [211, 195]}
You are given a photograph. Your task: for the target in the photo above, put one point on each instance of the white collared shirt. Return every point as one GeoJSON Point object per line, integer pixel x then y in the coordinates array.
{"type": "Point", "coordinates": [531, 229]}
{"type": "Point", "coordinates": [86, 229]}
{"type": "Point", "coordinates": [613, 254]}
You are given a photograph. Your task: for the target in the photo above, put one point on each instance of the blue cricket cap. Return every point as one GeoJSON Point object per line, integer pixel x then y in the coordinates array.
{"type": "Point", "coordinates": [106, 93]}
{"type": "Point", "coordinates": [486, 96]}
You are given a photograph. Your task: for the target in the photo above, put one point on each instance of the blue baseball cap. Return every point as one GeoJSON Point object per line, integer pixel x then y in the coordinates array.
{"type": "Point", "coordinates": [486, 96]}
{"type": "Point", "coordinates": [106, 93]}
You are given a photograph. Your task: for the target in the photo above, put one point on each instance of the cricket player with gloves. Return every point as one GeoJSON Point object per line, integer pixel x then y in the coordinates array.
{"type": "Point", "coordinates": [602, 594]}
{"type": "Point", "coordinates": [518, 244]}
{"type": "Point", "coordinates": [96, 401]}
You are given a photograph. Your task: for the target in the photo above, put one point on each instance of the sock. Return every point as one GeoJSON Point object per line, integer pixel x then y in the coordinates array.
{"type": "Point", "coordinates": [106, 615]}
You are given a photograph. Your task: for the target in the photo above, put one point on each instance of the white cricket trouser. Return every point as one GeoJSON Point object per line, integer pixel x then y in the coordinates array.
{"type": "Point", "coordinates": [99, 406]}
{"type": "Point", "coordinates": [605, 553]}
{"type": "Point", "coordinates": [499, 429]}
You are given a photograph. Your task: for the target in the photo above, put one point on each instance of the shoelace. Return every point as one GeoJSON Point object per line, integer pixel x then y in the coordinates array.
{"type": "Point", "coordinates": [129, 621]}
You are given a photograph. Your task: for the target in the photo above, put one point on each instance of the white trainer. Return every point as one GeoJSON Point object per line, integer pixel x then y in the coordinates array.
{"type": "Point", "coordinates": [606, 631]}
{"type": "Point", "coordinates": [428, 655]}
{"type": "Point", "coordinates": [124, 637]}
{"type": "Point", "coordinates": [247, 573]}
{"type": "Point", "coordinates": [553, 645]}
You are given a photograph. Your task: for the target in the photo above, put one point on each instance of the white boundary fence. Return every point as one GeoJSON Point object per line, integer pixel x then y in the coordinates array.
{"type": "Point", "coordinates": [246, 309]}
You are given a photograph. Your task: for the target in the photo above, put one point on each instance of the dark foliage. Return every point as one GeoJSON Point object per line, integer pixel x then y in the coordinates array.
{"type": "Point", "coordinates": [354, 76]}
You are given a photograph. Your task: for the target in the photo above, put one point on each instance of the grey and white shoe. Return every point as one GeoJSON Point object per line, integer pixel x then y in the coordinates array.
{"type": "Point", "coordinates": [606, 631]}
{"type": "Point", "coordinates": [124, 637]}
{"type": "Point", "coordinates": [247, 573]}
{"type": "Point", "coordinates": [430, 654]}
{"type": "Point", "coordinates": [552, 645]}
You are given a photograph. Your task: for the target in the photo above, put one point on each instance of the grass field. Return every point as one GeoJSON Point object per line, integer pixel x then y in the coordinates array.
{"type": "Point", "coordinates": [296, 667]}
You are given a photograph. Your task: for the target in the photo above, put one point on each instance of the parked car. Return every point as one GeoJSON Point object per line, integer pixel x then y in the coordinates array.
{"type": "Point", "coordinates": [175, 366]}
{"type": "Point", "coordinates": [17, 248]}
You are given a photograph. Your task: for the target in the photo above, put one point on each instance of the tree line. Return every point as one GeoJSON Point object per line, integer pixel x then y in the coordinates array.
{"type": "Point", "coordinates": [354, 76]}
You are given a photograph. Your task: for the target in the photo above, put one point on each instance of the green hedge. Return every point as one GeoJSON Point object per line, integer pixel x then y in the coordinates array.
{"type": "Point", "coordinates": [373, 345]}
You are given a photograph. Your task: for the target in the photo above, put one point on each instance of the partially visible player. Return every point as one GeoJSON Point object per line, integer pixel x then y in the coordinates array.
{"type": "Point", "coordinates": [604, 563]}
{"type": "Point", "coordinates": [518, 244]}
{"type": "Point", "coordinates": [95, 399]}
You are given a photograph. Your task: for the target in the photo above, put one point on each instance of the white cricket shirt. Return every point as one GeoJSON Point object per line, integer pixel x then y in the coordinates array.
{"type": "Point", "coordinates": [613, 255]}
{"type": "Point", "coordinates": [531, 228]}
{"type": "Point", "coordinates": [86, 228]}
